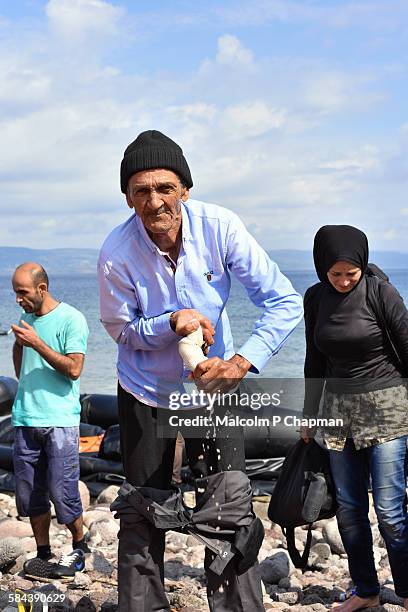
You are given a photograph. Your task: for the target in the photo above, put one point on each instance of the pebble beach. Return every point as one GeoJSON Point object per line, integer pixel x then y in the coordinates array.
{"type": "Point", "coordinates": [95, 589]}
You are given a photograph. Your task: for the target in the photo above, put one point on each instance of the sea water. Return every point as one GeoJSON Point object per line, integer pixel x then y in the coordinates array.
{"type": "Point", "coordinates": [99, 375]}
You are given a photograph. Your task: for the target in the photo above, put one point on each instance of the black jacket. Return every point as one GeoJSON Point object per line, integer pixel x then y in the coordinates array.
{"type": "Point", "coordinates": [346, 344]}
{"type": "Point", "coordinates": [223, 519]}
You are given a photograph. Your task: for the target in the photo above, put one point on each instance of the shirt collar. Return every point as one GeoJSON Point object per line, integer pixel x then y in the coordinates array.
{"type": "Point", "coordinates": [185, 225]}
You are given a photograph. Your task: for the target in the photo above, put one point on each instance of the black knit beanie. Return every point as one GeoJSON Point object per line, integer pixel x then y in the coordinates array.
{"type": "Point", "coordinates": [150, 150]}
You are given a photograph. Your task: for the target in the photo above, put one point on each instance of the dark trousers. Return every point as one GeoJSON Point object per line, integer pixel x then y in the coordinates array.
{"type": "Point", "coordinates": [386, 464]}
{"type": "Point", "coordinates": [148, 461]}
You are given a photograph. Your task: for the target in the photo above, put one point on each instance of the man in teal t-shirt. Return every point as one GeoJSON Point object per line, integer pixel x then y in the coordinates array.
{"type": "Point", "coordinates": [48, 356]}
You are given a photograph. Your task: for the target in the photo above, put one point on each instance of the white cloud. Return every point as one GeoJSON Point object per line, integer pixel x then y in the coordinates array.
{"type": "Point", "coordinates": [75, 19]}
{"type": "Point", "coordinates": [260, 135]}
{"type": "Point", "coordinates": [22, 87]}
{"type": "Point", "coordinates": [390, 234]}
{"type": "Point", "coordinates": [368, 14]}
{"type": "Point", "coordinates": [330, 91]}
{"type": "Point", "coordinates": [231, 51]}
{"type": "Point", "coordinates": [251, 119]}
{"type": "Point", "coordinates": [356, 162]}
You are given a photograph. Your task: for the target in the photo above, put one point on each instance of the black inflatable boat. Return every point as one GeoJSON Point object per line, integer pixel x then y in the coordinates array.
{"type": "Point", "coordinates": [265, 446]}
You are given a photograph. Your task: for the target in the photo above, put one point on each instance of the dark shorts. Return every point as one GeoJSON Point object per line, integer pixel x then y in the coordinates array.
{"type": "Point", "coordinates": [46, 466]}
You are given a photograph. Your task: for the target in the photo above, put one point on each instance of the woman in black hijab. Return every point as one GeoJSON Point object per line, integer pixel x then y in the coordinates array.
{"type": "Point", "coordinates": [357, 348]}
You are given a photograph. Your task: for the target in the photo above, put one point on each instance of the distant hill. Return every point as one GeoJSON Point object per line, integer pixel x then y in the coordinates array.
{"type": "Point", "coordinates": [55, 261]}
{"type": "Point", "coordinates": [83, 261]}
{"type": "Point", "coordinates": [292, 259]}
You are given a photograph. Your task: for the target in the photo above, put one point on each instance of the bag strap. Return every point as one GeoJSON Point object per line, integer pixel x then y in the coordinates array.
{"type": "Point", "coordinates": [374, 302]}
{"type": "Point", "coordinates": [298, 560]}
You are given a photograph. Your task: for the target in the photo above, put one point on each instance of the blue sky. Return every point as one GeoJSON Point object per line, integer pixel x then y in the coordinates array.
{"type": "Point", "coordinates": [291, 113]}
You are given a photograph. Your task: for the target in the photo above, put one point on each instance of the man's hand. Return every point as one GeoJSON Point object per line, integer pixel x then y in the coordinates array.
{"type": "Point", "coordinates": [216, 374]}
{"type": "Point", "coordinates": [184, 322]}
{"type": "Point", "coordinates": [26, 335]}
{"type": "Point", "coordinates": [69, 365]}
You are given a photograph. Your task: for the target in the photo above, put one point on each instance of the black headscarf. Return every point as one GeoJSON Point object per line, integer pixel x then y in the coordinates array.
{"type": "Point", "coordinates": [334, 243]}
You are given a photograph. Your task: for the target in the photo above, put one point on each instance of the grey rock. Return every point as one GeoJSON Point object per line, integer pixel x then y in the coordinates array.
{"type": "Point", "coordinates": [261, 510]}
{"type": "Point", "coordinates": [18, 564]}
{"type": "Point", "coordinates": [10, 550]}
{"type": "Point", "coordinates": [317, 536]}
{"type": "Point", "coordinates": [108, 495]}
{"type": "Point", "coordinates": [91, 516]}
{"type": "Point", "coordinates": [377, 537]}
{"type": "Point", "coordinates": [331, 535]}
{"type": "Point", "coordinates": [107, 529]}
{"type": "Point", "coordinates": [379, 553]}
{"type": "Point", "coordinates": [22, 583]}
{"type": "Point", "coordinates": [176, 541]}
{"type": "Point", "coordinates": [13, 528]}
{"type": "Point", "coordinates": [312, 599]}
{"type": "Point", "coordinates": [85, 495]}
{"type": "Point", "coordinates": [290, 597]}
{"type": "Point", "coordinates": [97, 562]}
{"type": "Point", "coordinates": [82, 581]}
{"type": "Point", "coordinates": [321, 551]}
{"type": "Point", "coordinates": [284, 583]}
{"type": "Point", "coordinates": [276, 567]}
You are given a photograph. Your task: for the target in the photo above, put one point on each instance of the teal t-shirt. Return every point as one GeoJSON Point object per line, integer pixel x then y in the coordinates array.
{"type": "Point", "coordinates": [46, 398]}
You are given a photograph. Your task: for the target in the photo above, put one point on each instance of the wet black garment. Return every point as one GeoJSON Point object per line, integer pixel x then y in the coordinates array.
{"type": "Point", "coordinates": [223, 519]}
{"type": "Point", "coordinates": [334, 243]}
{"type": "Point", "coordinates": [346, 345]}
{"type": "Point", "coordinates": [148, 462]}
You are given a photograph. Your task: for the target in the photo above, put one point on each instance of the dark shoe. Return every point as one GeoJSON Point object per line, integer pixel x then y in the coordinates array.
{"type": "Point", "coordinates": [83, 544]}
{"type": "Point", "coordinates": [38, 569]}
{"type": "Point", "coordinates": [69, 564]}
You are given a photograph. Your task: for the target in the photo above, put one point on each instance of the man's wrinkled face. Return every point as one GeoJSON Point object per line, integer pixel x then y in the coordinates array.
{"type": "Point", "coordinates": [156, 197]}
{"type": "Point", "coordinates": [28, 295]}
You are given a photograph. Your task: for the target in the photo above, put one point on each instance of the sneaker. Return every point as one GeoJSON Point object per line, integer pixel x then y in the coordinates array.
{"type": "Point", "coordinates": [84, 546]}
{"type": "Point", "coordinates": [38, 569]}
{"type": "Point", "coordinates": [69, 564]}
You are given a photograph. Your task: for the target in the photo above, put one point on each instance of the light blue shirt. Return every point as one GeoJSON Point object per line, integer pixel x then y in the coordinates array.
{"type": "Point", "coordinates": [139, 291]}
{"type": "Point", "coordinates": [45, 397]}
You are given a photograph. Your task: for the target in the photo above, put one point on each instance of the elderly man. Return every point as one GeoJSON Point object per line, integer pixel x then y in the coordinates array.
{"type": "Point", "coordinates": [164, 273]}
{"type": "Point", "coordinates": [48, 357]}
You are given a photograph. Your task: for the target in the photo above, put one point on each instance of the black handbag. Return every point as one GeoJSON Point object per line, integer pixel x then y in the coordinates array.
{"type": "Point", "coordinates": [304, 493]}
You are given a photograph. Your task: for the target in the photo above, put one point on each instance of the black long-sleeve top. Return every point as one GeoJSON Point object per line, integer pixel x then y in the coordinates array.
{"type": "Point", "coordinates": [345, 344]}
